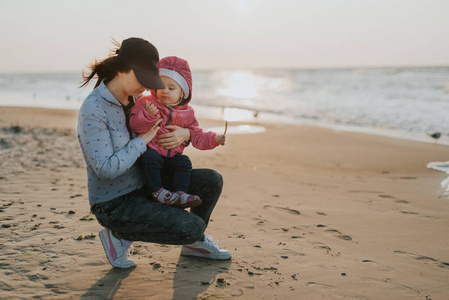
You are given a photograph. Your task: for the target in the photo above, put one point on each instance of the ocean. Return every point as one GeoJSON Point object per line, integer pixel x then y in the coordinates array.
{"type": "Point", "coordinates": [408, 103]}
{"type": "Point", "coordinates": [400, 102]}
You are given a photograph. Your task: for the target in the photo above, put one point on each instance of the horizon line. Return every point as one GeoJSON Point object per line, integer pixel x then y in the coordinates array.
{"type": "Point", "coordinates": [258, 69]}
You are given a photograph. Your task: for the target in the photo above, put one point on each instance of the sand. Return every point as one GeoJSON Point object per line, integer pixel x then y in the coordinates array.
{"type": "Point", "coordinates": [308, 213]}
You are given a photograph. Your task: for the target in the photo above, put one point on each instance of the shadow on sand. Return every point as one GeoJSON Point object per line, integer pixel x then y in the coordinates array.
{"type": "Point", "coordinates": [194, 275]}
{"type": "Point", "coordinates": [110, 282]}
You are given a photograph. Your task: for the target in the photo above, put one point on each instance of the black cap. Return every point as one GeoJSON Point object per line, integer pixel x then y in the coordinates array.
{"type": "Point", "coordinates": [142, 57]}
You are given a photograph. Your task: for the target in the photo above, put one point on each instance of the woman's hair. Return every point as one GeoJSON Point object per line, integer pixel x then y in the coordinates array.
{"type": "Point", "coordinates": [105, 69]}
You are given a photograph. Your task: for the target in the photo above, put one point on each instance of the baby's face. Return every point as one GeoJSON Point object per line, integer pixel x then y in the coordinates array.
{"type": "Point", "coordinates": [172, 93]}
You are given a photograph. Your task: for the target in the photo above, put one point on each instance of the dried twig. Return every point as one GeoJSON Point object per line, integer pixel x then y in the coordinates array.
{"type": "Point", "coordinates": [226, 127]}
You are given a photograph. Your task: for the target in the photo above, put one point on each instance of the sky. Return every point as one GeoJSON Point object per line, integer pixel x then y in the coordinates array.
{"type": "Point", "coordinates": [59, 35]}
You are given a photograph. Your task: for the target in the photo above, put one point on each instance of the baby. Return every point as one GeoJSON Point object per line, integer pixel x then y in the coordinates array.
{"type": "Point", "coordinates": [172, 105]}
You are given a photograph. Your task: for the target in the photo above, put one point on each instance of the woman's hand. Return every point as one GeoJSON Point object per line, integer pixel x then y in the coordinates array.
{"type": "Point", "coordinates": [151, 133]}
{"type": "Point", "coordinates": [174, 138]}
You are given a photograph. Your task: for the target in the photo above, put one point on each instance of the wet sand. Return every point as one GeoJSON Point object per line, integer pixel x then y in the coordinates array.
{"type": "Point", "coordinates": [308, 213]}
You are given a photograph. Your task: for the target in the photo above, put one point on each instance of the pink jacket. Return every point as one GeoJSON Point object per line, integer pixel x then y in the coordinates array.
{"type": "Point", "coordinates": [182, 115]}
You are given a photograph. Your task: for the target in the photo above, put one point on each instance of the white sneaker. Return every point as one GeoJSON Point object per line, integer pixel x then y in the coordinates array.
{"type": "Point", "coordinates": [207, 249]}
{"type": "Point", "coordinates": [117, 250]}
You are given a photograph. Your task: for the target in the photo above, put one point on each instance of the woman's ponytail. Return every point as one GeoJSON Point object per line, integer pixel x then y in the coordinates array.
{"type": "Point", "coordinates": [104, 70]}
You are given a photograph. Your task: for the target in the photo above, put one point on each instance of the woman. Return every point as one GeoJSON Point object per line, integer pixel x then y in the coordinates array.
{"type": "Point", "coordinates": [116, 186]}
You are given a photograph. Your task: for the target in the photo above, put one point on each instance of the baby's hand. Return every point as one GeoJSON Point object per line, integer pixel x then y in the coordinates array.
{"type": "Point", "coordinates": [220, 139]}
{"type": "Point", "coordinates": [151, 108]}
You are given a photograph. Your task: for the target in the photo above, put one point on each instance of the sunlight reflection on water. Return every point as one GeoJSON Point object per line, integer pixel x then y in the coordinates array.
{"type": "Point", "coordinates": [237, 114]}
{"type": "Point", "coordinates": [242, 85]}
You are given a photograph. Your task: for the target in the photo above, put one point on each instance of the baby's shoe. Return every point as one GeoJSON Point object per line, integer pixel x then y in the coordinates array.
{"type": "Point", "coordinates": [165, 196]}
{"type": "Point", "coordinates": [187, 200]}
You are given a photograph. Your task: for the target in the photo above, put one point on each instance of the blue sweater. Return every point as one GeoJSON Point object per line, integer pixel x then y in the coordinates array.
{"type": "Point", "coordinates": [109, 153]}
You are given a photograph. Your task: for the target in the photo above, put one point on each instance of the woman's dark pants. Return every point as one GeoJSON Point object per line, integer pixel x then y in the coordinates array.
{"type": "Point", "coordinates": [137, 218]}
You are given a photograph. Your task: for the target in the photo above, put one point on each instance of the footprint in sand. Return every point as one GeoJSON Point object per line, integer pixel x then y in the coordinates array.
{"type": "Point", "coordinates": [362, 191]}
{"type": "Point", "coordinates": [424, 259]}
{"type": "Point", "coordinates": [394, 199]}
{"type": "Point", "coordinates": [377, 265]}
{"type": "Point", "coordinates": [37, 277]}
{"type": "Point", "coordinates": [340, 235]}
{"type": "Point", "coordinates": [412, 213]}
{"type": "Point", "coordinates": [324, 247]}
{"type": "Point", "coordinates": [321, 285]}
{"type": "Point", "coordinates": [292, 211]}
{"type": "Point", "coordinates": [409, 212]}
{"type": "Point", "coordinates": [396, 285]}
{"type": "Point", "coordinates": [401, 201]}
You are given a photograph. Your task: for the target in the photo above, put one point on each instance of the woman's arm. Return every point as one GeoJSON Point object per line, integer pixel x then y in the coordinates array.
{"type": "Point", "coordinates": [100, 148]}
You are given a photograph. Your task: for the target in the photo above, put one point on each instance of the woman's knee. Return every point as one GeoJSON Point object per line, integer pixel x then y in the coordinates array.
{"type": "Point", "coordinates": [196, 230]}
{"type": "Point", "coordinates": [218, 178]}
{"type": "Point", "coordinates": [215, 180]}
{"type": "Point", "coordinates": [206, 182]}
{"type": "Point", "coordinates": [209, 176]}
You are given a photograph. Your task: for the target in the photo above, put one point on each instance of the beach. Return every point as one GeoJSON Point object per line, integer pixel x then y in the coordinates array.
{"type": "Point", "coordinates": [307, 212]}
